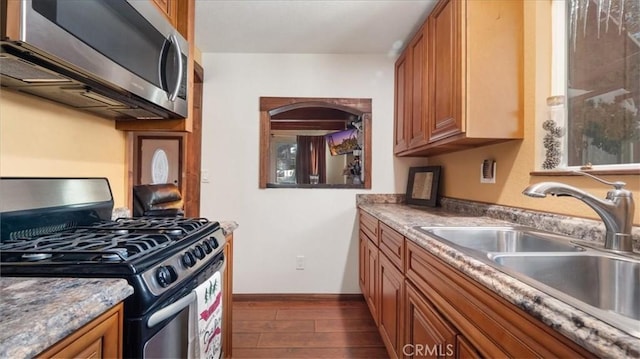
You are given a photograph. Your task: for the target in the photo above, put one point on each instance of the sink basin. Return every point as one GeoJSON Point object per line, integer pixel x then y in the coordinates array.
{"type": "Point", "coordinates": [603, 284]}
{"type": "Point", "coordinates": [607, 283]}
{"type": "Point", "coordinates": [502, 239]}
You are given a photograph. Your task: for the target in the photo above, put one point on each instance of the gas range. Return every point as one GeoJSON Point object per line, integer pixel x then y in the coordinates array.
{"type": "Point", "coordinates": [62, 227]}
{"type": "Point", "coordinates": [164, 251]}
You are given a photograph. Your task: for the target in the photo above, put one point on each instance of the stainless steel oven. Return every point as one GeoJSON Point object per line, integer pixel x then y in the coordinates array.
{"type": "Point", "coordinates": [61, 227]}
{"type": "Point", "coordinates": [174, 333]}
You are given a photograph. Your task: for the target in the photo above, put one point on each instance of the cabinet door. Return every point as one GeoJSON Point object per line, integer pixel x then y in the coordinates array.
{"type": "Point", "coordinates": [418, 128]}
{"type": "Point", "coordinates": [426, 333]}
{"type": "Point", "coordinates": [445, 34]}
{"type": "Point", "coordinates": [100, 338]}
{"type": "Point", "coordinates": [402, 102]}
{"type": "Point", "coordinates": [465, 350]}
{"type": "Point", "coordinates": [167, 8]}
{"type": "Point", "coordinates": [372, 292]}
{"type": "Point", "coordinates": [391, 302]}
{"type": "Point", "coordinates": [363, 262]}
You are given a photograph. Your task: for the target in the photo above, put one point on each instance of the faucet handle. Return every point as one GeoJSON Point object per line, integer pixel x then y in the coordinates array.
{"type": "Point", "coordinates": [616, 184]}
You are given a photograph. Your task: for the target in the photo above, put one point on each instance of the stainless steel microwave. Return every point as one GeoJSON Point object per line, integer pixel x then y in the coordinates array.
{"type": "Point", "coordinates": [117, 58]}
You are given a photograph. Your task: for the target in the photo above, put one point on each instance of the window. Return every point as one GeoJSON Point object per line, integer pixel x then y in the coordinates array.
{"type": "Point", "coordinates": [284, 149]}
{"type": "Point", "coordinates": [601, 67]}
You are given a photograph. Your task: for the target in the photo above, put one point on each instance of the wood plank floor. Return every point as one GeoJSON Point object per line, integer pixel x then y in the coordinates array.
{"type": "Point", "coordinates": [305, 329]}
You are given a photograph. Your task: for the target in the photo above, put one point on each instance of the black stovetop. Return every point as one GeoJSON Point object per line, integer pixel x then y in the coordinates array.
{"type": "Point", "coordinates": [133, 242]}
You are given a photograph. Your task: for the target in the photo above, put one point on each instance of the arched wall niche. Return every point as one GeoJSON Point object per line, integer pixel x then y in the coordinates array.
{"type": "Point", "coordinates": [286, 123]}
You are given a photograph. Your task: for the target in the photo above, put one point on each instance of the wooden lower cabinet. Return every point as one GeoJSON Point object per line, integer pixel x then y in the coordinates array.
{"type": "Point", "coordinates": [362, 262]}
{"type": "Point", "coordinates": [372, 283]}
{"type": "Point", "coordinates": [425, 308]}
{"type": "Point", "coordinates": [427, 333]}
{"type": "Point", "coordinates": [101, 338]}
{"type": "Point", "coordinates": [464, 349]}
{"type": "Point", "coordinates": [492, 326]}
{"type": "Point", "coordinates": [391, 306]}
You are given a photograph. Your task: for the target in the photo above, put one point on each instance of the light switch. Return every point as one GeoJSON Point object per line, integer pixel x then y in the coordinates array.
{"type": "Point", "coordinates": [204, 176]}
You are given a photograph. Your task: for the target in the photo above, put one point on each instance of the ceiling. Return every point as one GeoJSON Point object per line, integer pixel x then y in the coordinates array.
{"type": "Point", "coordinates": [308, 26]}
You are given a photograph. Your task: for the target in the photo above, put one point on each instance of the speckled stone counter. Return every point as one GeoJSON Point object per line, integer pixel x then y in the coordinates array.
{"type": "Point", "coordinates": [228, 227]}
{"type": "Point", "coordinates": [585, 330]}
{"type": "Point", "coordinates": [36, 313]}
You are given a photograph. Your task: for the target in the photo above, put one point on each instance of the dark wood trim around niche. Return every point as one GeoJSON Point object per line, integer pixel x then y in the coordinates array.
{"type": "Point", "coordinates": [275, 106]}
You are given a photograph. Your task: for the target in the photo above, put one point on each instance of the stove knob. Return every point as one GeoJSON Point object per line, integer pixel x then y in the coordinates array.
{"type": "Point", "coordinates": [207, 247]}
{"type": "Point", "coordinates": [214, 242]}
{"type": "Point", "coordinates": [188, 260]}
{"type": "Point", "coordinates": [165, 276]}
{"type": "Point", "coordinates": [199, 251]}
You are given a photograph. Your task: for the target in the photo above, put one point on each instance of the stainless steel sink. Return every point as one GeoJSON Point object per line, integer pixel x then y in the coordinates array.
{"type": "Point", "coordinates": [502, 239]}
{"type": "Point", "coordinates": [608, 283]}
{"type": "Point", "coordinates": [602, 283]}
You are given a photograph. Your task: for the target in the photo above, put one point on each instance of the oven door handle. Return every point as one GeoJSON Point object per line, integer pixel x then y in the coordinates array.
{"type": "Point", "coordinates": [171, 310]}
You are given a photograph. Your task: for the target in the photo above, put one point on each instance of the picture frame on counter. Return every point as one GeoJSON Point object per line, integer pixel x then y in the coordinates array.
{"type": "Point", "coordinates": [423, 186]}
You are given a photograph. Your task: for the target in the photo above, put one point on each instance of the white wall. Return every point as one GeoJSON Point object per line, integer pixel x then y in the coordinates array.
{"type": "Point", "coordinates": [276, 225]}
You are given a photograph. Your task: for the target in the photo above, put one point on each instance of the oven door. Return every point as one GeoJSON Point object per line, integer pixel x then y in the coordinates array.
{"type": "Point", "coordinates": [178, 336]}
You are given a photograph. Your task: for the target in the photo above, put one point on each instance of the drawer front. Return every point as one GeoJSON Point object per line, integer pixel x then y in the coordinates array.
{"type": "Point", "coordinates": [392, 245]}
{"type": "Point", "coordinates": [369, 225]}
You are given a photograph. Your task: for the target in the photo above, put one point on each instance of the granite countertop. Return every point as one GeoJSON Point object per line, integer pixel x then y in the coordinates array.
{"type": "Point", "coordinates": [36, 313]}
{"type": "Point", "coordinates": [594, 335]}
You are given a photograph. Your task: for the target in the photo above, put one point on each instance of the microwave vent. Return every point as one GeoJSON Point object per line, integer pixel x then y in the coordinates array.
{"type": "Point", "coordinates": [139, 113]}
{"type": "Point", "coordinates": [67, 95]}
{"type": "Point", "coordinates": [103, 99]}
{"type": "Point", "coordinates": [28, 72]}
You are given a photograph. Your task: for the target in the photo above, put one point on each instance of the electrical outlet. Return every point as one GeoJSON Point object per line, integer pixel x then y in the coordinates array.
{"type": "Point", "coordinates": [204, 176]}
{"type": "Point", "coordinates": [300, 263]}
{"type": "Point", "coordinates": [488, 171]}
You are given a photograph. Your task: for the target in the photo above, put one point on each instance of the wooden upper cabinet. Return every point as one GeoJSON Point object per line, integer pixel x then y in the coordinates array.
{"type": "Point", "coordinates": [411, 92]}
{"type": "Point", "coordinates": [402, 103]}
{"type": "Point", "coordinates": [168, 8]}
{"type": "Point", "coordinates": [446, 64]}
{"type": "Point", "coordinates": [472, 74]}
{"type": "Point", "coordinates": [417, 131]}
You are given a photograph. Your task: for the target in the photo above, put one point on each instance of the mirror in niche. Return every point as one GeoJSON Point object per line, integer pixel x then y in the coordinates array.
{"type": "Point", "coordinates": [315, 142]}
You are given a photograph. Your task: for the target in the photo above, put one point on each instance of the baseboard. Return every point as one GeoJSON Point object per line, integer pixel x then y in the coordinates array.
{"type": "Point", "coordinates": [256, 297]}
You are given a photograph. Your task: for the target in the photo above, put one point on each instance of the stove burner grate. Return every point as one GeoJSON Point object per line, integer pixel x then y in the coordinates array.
{"type": "Point", "coordinates": [86, 246]}
{"type": "Point", "coordinates": [172, 226]}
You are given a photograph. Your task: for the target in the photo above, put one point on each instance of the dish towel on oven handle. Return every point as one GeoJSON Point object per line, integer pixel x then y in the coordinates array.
{"type": "Point", "coordinates": [206, 320]}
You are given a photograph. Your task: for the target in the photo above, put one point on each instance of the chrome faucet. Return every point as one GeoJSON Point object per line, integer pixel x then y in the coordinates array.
{"type": "Point", "coordinates": [616, 210]}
